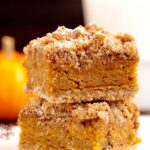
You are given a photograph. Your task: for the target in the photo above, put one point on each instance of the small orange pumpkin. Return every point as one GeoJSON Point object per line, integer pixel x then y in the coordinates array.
{"type": "Point", "coordinates": [12, 82]}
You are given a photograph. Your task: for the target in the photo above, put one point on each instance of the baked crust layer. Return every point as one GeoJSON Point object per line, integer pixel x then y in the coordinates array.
{"type": "Point", "coordinates": [36, 147]}
{"type": "Point", "coordinates": [73, 62]}
{"type": "Point", "coordinates": [86, 95]}
{"type": "Point", "coordinates": [80, 126]}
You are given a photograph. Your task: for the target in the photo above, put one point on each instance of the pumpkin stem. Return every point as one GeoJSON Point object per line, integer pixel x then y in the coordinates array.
{"type": "Point", "coordinates": [8, 46]}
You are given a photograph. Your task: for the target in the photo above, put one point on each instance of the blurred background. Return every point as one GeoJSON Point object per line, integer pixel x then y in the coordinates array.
{"type": "Point", "coordinates": [21, 21]}
{"type": "Point", "coordinates": [26, 20]}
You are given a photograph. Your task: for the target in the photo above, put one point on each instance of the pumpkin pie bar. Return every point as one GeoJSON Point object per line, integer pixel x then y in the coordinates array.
{"type": "Point", "coordinates": [83, 64]}
{"type": "Point", "coordinates": [95, 125]}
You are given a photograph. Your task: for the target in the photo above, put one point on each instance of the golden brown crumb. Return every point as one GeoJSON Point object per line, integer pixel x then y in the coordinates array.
{"type": "Point", "coordinates": [88, 126]}
{"type": "Point", "coordinates": [84, 64]}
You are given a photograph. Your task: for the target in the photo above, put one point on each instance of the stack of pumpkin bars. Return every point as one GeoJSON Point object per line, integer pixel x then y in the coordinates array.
{"type": "Point", "coordinates": [83, 82]}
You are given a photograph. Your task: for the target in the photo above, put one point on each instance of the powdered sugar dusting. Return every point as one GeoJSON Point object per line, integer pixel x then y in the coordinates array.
{"type": "Point", "coordinates": [91, 37]}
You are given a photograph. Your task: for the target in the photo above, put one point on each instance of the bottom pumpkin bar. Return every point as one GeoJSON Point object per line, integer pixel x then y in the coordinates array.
{"type": "Point", "coordinates": [81, 126]}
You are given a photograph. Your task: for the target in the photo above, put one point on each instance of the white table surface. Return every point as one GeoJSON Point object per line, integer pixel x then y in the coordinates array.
{"type": "Point", "coordinates": [12, 142]}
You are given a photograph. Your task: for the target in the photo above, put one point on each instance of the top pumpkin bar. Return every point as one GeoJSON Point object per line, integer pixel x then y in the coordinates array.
{"type": "Point", "coordinates": [84, 64]}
